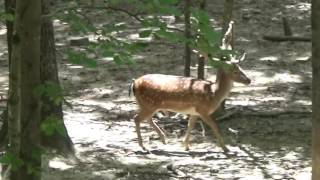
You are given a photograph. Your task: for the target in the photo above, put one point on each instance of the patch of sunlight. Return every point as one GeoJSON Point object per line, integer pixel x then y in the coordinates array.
{"type": "Point", "coordinates": [254, 176]}
{"type": "Point", "coordinates": [248, 88]}
{"type": "Point", "coordinates": [272, 99]}
{"type": "Point", "coordinates": [258, 77]}
{"type": "Point", "coordinates": [107, 59]}
{"type": "Point", "coordinates": [303, 58]}
{"type": "Point", "coordinates": [304, 6]}
{"type": "Point", "coordinates": [243, 39]}
{"type": "Point", "coordinates": [269, 58]}
{"type": "Point", "coordinates": [3, 31]}
{"type": "Point", "coordinates": [171, 19]}
{"type": "Point", "coordinates": [304, 174]}
{"type": "Point", "coordinates": [126, 107]}
{"type": "Point", "coordinates": [106, 105]}
{"type": "Point", "coordinates": [82, 127]}
{"type": "Point", "coordinates": [291, 156]}
{"type": "Point", "coordinates": [285, 77]}
{"type": "Point", "coordinates": [241, 102]}
{"type": "Point", "coordinates": [106, 174]}
{"type": "Point", "coordinates": [274, 169]}
{"type": "Point", "coordinates": [137, 37]}
{"type": "Point", "coordinates": [300, 6]}
{"type": "Point", "coordinates": [72, 66]}
{"type": "Point", "coordinates": [3, 79]}
{"type": "Point", "coordinates": [131, 160]}
{"type": "Point", "coordinates": [57, 164]}
{"type": "Point", "coordinates": [57, 22]}
{"type": "Point", "coordinates": [136, 57]}
{"type": "Point", "coordinates": [304, 102]}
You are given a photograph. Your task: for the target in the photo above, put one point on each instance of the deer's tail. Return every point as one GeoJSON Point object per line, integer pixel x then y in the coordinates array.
{"type": "Point", "coordinates": [131, 87]}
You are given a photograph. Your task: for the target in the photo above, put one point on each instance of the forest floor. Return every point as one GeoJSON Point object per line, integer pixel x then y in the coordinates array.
{"type": "Point", "coordinates": [269, 133]}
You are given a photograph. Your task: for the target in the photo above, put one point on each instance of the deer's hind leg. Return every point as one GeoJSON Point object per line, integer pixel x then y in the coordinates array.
{"type": "Point", "coordinates": [158, 130]}
{"type": "Point", "coordinates": [143, 114]}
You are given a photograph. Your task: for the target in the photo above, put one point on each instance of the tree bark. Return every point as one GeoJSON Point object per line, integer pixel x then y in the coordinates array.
{"type": "Point", "coordinates": [187, 33]}
{"type": "Point", "coordinates": [49, 74]}
{"type": "Point", "coordinates": [24, 104]}
{"type": "Point", "coordinates": [201, 59]}
{"type": "Point", "coordinates": [227, 17]}
{"type": "Point", "coordinates": [9, 9]}
{"type": "Point", "coordinates": [315, 89]}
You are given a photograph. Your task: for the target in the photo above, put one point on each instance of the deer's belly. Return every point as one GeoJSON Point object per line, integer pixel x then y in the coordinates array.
{"type": "Point", "coordinates": [191, 111]}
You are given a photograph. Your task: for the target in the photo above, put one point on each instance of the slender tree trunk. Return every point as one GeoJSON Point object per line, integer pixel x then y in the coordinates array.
{"type": "Point", "coordinates": [14, 128]}
{"type": "Point", "coordinates": [24, 104]}
{"type": "Point", "coordinates": [29, 34]}
{"type": "Point", "coordinates": [201, 59]}
{"type": "Point", "coordinates": [315, 90]}
{"type": "Point", "coordinates": [187, 33]}
{"type": "Point", "coordinates": [227, 14]}
{"type": "Point", "coordinates": [49, 74]}
{"type": "Point", "coordinates": [9, 9]}
{"type": "Point", "coordinates": [227, 17]}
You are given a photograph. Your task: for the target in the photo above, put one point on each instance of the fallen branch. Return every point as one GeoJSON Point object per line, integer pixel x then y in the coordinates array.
{"type": "Point", "coordinates": [240, 112]}
{"type": "Point", "coordinates": [286, 38]}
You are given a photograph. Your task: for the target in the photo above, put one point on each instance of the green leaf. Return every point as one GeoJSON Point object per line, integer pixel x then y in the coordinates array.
{"type": "Point", "coordinates": [78, 23]}
{"type": "Point", "coordinates": [145, 33]}
{"type": "Point", "coordinates": [80, 58]}
{"type": "Point", "coordinates": [117, 59]}
{"type": "Point", "coordinates": [169, 2]}
{"type": "Point", "coordinates": [11, 159]}
{"type": "Point", "coordinates": [137, 46]}
{"type": "Point", "coordinates": [51, 90]}
{"type": "Point", "coordinates": [7, 17]}
{"type": "Point", "coordinates": [201, 15]}
{"type": "Point", "coordinates": [169, 10]}
{"type": "Point", "coordinates": [51, 125]}
{"type": "Point", "coordinates": [171, 36]}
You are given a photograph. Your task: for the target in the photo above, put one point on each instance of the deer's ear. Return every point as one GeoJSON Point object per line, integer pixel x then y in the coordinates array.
{"type": "Point", "coordinates": [243, 56]}
{"type": "Point", "coordinates": [234, 60]}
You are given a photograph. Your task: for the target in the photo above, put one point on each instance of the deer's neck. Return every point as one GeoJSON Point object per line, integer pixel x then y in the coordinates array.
{"type": "Point", "coordinates": [223, 85]}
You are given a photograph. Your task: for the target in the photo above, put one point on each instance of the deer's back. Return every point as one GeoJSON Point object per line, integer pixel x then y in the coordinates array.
{"type": "Point", "coordinates": [176, 93]}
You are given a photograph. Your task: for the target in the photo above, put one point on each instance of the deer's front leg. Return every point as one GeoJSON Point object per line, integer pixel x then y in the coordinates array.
{"type": "Point", "coordinates": [191, 123]}
{"type": "Point", "coordinates": [208, 120]}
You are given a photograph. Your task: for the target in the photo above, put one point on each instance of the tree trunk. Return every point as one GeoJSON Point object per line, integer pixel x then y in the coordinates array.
{"type": "Point", "coordinates": [315, 89]}
{"type": "Point", "coordinates": [24, 104]}
{"type": "Point", "coordinates": [227, 17]}
{"type": "Point", "coordinates": [49, 74]}
{"type": "Point", "coordinates": [9, 9]}
{"type": "Point", "coordinates": [201, 59]}
{"type": "Point", "coordinates": [187, 33]}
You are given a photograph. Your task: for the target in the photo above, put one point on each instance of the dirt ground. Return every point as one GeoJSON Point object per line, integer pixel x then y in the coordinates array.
{"type": "Point", "coordinates": [268, 133]}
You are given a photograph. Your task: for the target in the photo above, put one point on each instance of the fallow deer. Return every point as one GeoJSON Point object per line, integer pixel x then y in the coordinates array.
{"type": "Point", "coordinates": [198, 98]}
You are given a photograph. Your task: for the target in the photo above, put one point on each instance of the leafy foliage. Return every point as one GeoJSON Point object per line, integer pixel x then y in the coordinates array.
{"type": "Point", "coordinates": [6, 16]}
{"type": "Point", "coordinates": [10, 159]}
{"type": "Point", "coordinates": [51, 125]}
{"type": "Point", "coordinates": [151, 14]}
{"type": "Point", "coordinates": [81, 58]}
{"type": "Point", "coordinates": [51, 90]}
